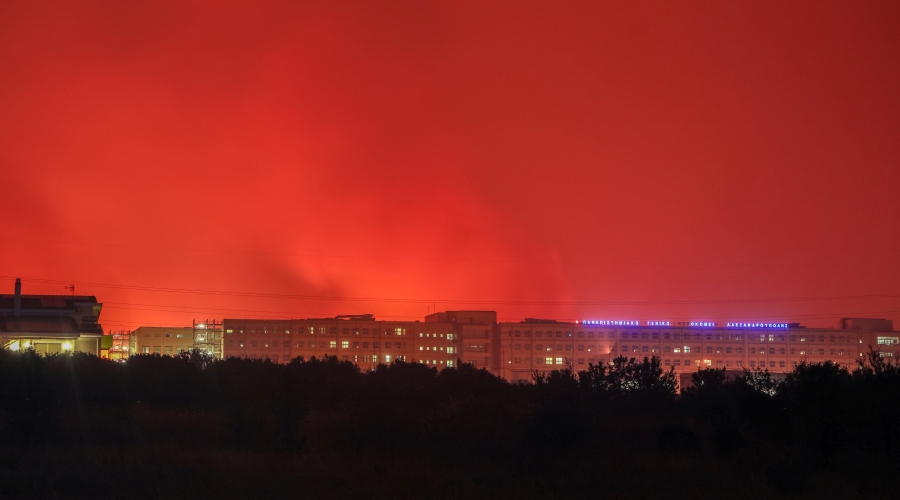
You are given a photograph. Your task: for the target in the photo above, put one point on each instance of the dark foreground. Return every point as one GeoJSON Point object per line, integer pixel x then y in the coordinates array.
{"type": "Point", "coordinates": [75, 426]}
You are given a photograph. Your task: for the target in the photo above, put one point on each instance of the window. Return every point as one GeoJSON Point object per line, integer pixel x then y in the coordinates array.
{"type": "Point", "coordinates": [156, 349]}
{"type": "Point", "coordinates": [286, 343]}
{"type": "Point", "coordinates": [345, 344]}
{"type": "Point", "coordinates": [387, 358]}
{"type": "Point", "coordinates": [559, 361]}
{"type": "Point", "coordinates": [539, 347]}
{"type": "Point", "coordinates": [252, 343]}
{"type": "Point", "coordinates": [179, 335]}
{"type": "Point", "coordinates": [332, 344]}
{"type": "Point", "coordinates": [888, 340]}
{"type": "Point", "coordinates": [687, 349]}
{"type": "Point", "coordinates": [549, 361]}
{"type": "Point", "coordinates": [781, 364]}
{"type": "Point", "coordinates": [146, 350]}
{"type": "Point", "coordinates": [580, 361]}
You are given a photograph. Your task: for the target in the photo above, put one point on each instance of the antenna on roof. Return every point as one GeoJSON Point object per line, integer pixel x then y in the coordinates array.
{"type": "Point", "coordinates": [71, 287]}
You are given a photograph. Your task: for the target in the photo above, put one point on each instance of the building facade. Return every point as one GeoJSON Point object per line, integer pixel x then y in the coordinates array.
{"type": "Point", "coordinates": [50, 324]}
{"type": "Point", "coordinates": [515, 350]}
{"type": "Point", "coordinates": [162, 340]}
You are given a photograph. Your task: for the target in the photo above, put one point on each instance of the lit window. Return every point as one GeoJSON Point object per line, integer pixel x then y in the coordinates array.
{"type": "Point", "coordinates": [559, 361]}
{"type": "Point", "coordinates": [387, 358]}
{"type": "Point", "coordinates": [549, 361]}
{"type": "Point", "coordinates": [888, 340]}
{"type": "Point", "coordinates": [345, 344]}
{"type": "Point", "coordinates": [332, 344]}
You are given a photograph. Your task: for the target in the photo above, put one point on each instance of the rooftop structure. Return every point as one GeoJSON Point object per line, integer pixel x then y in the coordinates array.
{"type": "Point", "coordinates": [50, 323]}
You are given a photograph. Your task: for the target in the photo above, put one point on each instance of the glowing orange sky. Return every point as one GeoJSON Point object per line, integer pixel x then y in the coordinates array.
{"type": "Point", "coordinates": [523, 156]}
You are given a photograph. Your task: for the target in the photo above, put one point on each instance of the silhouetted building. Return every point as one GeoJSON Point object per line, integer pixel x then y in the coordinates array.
{"type": "Point", "coordinates": [515, 350]}
{"type": "Point", "coordinates": [50, 323]}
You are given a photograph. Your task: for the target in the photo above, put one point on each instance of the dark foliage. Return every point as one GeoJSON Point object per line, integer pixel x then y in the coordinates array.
{"type": "Point", "coordinates": [155, 426]}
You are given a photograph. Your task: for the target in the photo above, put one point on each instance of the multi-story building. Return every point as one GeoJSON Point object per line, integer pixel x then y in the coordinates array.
{"type": "Point", "coordinates": [357, 338]}
{"type": "Point", "coordinates": [50, 323]}
{"type": "Point", "coordinates": [544, 345]}
{"type": "Point", "coordinates": [162, 340]}
{"type": "Point", "coordinates": [515, 350]}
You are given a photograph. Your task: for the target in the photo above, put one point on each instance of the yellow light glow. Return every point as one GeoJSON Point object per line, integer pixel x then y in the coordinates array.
{"type": "Point", "coordinates": [67, 346]}
{"type": "Point", "coordinates": [27, 344]}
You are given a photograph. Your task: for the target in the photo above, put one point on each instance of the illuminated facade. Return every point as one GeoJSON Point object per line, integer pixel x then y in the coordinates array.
{"type": "Point", "coordinates": [162, 340]}
{"type": "Point", "coordinates": [515, 350]}
{"type": "Point", "coordinates": [545, 345]}
{"type": "Point", "coordinates": [50, 324]}
{"type": "Point", "coordinates": [360, 339]}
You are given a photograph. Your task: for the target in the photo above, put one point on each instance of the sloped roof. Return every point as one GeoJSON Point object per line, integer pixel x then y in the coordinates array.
{"type": "Point", "coordinates": [46, 302]}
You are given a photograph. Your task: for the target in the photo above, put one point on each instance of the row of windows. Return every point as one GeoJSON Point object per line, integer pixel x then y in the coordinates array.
{"type": "Point", "coordinates": [387, 358]}
{"type": "Point", "coordinates": [764, 337]}
{"type": "Point", "coordinates": [333, 344]}
{"type": "Point", "coordinates": [321, 330]}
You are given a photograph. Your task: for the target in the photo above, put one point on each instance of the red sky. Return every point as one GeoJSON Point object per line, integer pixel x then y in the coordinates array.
{"type": "Point", "coordinates": [570, 160]}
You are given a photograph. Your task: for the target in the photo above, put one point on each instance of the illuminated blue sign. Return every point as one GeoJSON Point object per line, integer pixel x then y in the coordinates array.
{"type": "Point", "coordinates": [659, 323]}
{"type": "Point", "coordinates": [703, 323]}
{"type": "Point", "coordinates": [607, 322]}
{"type": "Point", "coordinates": [757, 325]}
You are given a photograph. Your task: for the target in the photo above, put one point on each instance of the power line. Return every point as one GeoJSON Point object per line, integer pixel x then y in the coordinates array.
{"type": "Point", "coordinates": [460, 301]}
{"type": "Point", "coordinates": [443, 259]}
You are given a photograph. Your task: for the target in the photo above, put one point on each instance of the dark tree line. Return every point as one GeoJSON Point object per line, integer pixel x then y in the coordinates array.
{"type": "Point", "coordinates": [189, 425]}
